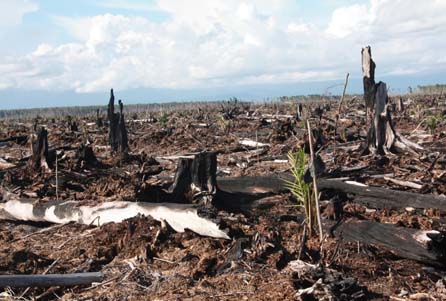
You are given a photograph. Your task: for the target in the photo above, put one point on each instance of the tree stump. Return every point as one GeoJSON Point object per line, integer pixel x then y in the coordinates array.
{"type": "Point", "coordinates": [195, 180]}
{"type": "Point", "coordinates": [381, 137]}
{"type": "Point", "coordinates": [117, 135]}
{"type": "Point", "coordinates": [99, 121]}
{"type": "Point", "coordinates": [39, 148]}
{"type": "Point", "coordinates": [400, 104]}
{"type": "Point", "coordinates": [86, 157]}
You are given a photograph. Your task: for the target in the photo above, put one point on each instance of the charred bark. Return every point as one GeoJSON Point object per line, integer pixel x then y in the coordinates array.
{"type": "Point", "coordinates": [381, 137]}
{"type": "Point", "coordinates": [368, 76]}
{"type": "Point", "coordinates": [117, 135]}
{"type": "Point", "coordinates": [423, 246]}
{"type": "Point", "coordinates": [39, 147]}
{"type": "Point", "coordinates": [86, 157]}
{"type": "Point", "coordinates": [195, 179]}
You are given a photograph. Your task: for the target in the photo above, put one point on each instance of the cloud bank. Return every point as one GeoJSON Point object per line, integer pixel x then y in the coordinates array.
{"type": "Point", "coordinates": [217, 43]}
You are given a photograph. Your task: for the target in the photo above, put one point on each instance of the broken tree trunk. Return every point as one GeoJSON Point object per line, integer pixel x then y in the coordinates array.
{"type": "Point", "coordinates": [195, 179]}
{"type": "Point", "coordinates": [419, 245]}
{"type": "Point", "coordinates": [381, 137]}
{"type": "Point", "coordinates": [50, 280]}
{"type": "Point", "coordinates": [39, 147]}
{"type": "Point", "coordinates": [117, 135]}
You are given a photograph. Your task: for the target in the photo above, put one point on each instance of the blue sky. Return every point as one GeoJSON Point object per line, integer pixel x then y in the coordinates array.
{"type": "Point", "coordinates": [59, 53]}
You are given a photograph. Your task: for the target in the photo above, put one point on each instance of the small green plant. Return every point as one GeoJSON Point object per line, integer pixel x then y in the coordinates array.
{"type": "Point", "coordinates": [301, 190]}
{"type": "Point", "coordinates": [432, 123]}
{"type": "Point", "coordinates": [163, 120]}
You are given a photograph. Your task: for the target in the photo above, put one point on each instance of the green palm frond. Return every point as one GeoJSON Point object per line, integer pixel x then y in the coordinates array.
{"type": "Point", "coordinates": [302, 191]}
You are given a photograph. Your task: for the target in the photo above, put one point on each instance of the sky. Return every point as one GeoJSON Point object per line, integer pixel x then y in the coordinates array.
{"type": "Point", "coordinates": [60, 53]}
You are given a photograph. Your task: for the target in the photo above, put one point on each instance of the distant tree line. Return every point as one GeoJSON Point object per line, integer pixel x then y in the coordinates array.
{"type": "Point", "coordinates": [432, 89]}
{"type": "Point", "coordinates": [135, 110]}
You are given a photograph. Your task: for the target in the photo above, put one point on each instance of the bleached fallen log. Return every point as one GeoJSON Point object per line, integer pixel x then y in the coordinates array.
{"type": "Point", "coordinates": [252, 143]}
{"type": "Point", "coordinates": [50, 280]}
{"type": "Point", "coordinates": [179, 216]}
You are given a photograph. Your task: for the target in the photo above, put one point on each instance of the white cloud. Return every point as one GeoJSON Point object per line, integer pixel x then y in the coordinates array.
{"type": "Point", "coordinates": [216, 43]}
{"type": "Point", "coordinates": [127, 5]}
{"type": "Point", "coordinates": [12, 11]}
{"type": "Point", "coordinates": [348, 20]}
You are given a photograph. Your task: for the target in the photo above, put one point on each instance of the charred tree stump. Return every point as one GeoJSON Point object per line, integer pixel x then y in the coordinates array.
{"type": "Point", "coordinates": [39, 147]}
{"type": "Point", "coordinates": [99, 121]}
{"type": "Point", "coordinates": [381, 137]}
{"type": "Point", "coordinates": [117, 135]}
{"type": "Point", "coordinates": [195, 179]}
{"type": "Point", "coordinates": [400, 104]}
{"type": "Point", "coordinates": [86, 157]}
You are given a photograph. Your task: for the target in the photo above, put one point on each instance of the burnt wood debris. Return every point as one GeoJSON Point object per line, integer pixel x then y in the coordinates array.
{"type": "Point", "coordinates": [189, 200]}
{"type": "Point", "coordinates": [117, 135]}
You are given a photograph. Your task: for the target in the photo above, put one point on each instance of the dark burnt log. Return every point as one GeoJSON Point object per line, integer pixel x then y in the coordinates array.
{"type": "Point", "coordinates": [370, 196]}
{"type": "Point", "coordinates": [195, 179]}
{"type": "Point", "coordinates": [15, 139]}
{"type": "Point", "coordinates": [383, 198]}
{"type": "Point", "coordinates": [117, 135]}
{"type": "Point", "coordinates": [85, 157]}
{"type": "Point", "coordinates": [423, 246]}
{"type": "Point", "coordinates": [50, 280]}
{"type": "Point", "coordinates": [39, 147]}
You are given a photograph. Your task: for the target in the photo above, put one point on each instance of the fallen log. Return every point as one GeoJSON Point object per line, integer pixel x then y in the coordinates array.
{"type": "Point", "coordinates": [372, 197]}
{"type": "Point", "coordinates": [50, 280]}
{"type": "Point", "coordinates": [418, 245]}
{"type": "Point", "coordinates": [179, 216]}
{"type": "Point", "coordinates": [383, 198]}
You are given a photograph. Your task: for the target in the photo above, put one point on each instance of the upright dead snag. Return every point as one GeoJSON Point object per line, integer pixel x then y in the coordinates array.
{"type": "Point", "coordinates": [117, 135]}
{"type": "Point", "coordinates": [196, 175]}
{"type": "Point", "coordinates": [39, 148]}
{"type": "Point", "coordinates": [381, 136]}
{"type": "Point", "coordinates": [368, 76]}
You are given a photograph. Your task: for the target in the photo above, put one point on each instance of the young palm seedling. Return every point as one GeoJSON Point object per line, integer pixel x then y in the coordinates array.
{"type": "Point", "coordinates": [302, 191]}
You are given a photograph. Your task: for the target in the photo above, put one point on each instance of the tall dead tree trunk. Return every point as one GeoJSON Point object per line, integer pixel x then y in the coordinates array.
{"type": "Point", "coordinates": [39, 148]}
{"type": "Point", "coordinates": [368, 76]}
{"type": "Point", "coordinates": [117, 135]}
{"type": "Point", "coordinates": [381, 136]}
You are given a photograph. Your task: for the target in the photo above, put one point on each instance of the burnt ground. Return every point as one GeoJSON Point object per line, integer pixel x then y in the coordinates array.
{"type": "Point", "coordinates": [144, 260]}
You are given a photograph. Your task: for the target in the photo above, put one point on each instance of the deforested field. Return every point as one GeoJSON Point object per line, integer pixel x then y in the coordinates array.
{"type": "Point", "coordinates": [193, 204]}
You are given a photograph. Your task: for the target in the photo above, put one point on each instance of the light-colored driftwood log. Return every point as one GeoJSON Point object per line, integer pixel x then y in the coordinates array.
{"type": "Point", "coordinates": [50, 280]}
{"type": "Point", "coordinates": [179, 216]}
